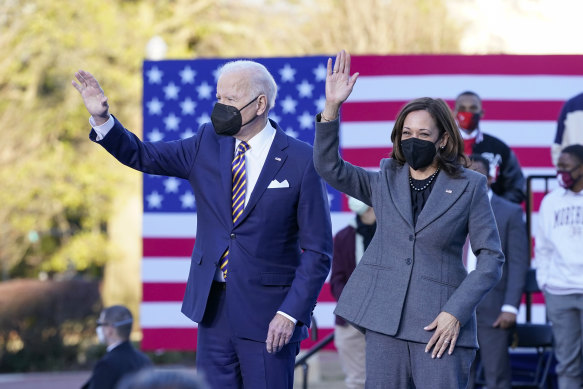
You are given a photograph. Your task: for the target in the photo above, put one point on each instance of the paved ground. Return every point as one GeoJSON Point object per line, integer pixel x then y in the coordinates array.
{"type": "Point", "coordinates": [62, 380]}
{"type": "Point", "coordinates": [324, 373]}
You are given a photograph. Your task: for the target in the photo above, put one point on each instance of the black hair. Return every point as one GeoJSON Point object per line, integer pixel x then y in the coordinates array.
{"type": "Point", "coordinates": [478, 158]}
{"type": "Point", "coordinates": [575, 150]}
{"type": "Point", "coordinates": [120, 318]}
{"type": "Point", "coordinates": [469, 93]}
{"type": "Point", "coordinates": [451, 158]}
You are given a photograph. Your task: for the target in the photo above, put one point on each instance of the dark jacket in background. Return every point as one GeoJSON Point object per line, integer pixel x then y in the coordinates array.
{"type": "Point", "coordinates": [510, 182]}
{"type": "Point", "coordinates": [118, 362]}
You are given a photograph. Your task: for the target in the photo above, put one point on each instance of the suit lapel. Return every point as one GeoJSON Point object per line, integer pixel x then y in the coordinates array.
{"type": "Point", "coordinates": [226, 155]}
{"type": "Point", "coordinates": [399, 188]}
{"type": "Point", "coordinates": [444, 194]}
{"type": "Point", "coordinates": [275, 159]}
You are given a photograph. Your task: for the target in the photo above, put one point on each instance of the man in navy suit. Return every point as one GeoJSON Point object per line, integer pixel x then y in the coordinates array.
{"type": "Point", "coordinates": [264, 240]}
{"type": "Point", "coordinates": [113, 329]}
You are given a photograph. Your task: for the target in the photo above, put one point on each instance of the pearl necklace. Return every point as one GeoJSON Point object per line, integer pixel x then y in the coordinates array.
{"type": "Point", "coordinates": [431, 178]}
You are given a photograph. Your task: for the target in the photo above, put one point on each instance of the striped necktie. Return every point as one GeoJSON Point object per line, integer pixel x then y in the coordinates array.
{"type": "Point", "coordinates": [238, 193]}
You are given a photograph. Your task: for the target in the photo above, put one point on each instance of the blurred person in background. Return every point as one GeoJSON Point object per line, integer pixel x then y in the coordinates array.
{"type": "Point", "coordinates": [114, 327]}
{"type": "Point", "coordinates": [496, 313]}
{"type": "Point", "coordinates": [559, 265]}
{"type": "Point", "coordinates": [349, 246]}
{"type": "Point", "coordinates": [507, 178]}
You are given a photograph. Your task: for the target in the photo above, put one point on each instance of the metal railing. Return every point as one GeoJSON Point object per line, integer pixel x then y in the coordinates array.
{"type": "Point", "coordinates": [529, 210]}
{"type": "Point", "coordinates": [530, 203]}
{"type": "Point", "coordinates": [303, 360]}
{"type": "Point", "coordinates": [528, 335]}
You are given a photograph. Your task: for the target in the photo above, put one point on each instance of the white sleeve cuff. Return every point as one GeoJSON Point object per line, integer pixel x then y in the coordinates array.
{"type": "Point", "coordinates": [288, 317]}
{"type": "Point", "coordinates": [509, 308]}
{"type": "Point", "coordinates": [103, 129]}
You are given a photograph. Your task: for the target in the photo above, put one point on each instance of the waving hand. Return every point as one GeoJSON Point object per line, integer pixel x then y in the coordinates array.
{"type": "Point", "coordinates": [339, 84]}
{"type": "Point", "coordinates": [93, 96]}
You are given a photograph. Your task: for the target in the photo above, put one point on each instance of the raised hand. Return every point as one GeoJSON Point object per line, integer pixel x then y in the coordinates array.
{"type": "Point", "coordinates": [93, 96]}
{"type": "Point", "coordinates": [339, 83]}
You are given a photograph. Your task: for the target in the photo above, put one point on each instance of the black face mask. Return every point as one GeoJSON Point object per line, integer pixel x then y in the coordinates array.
{"type": "Point", "coordinates": [418, 153]}
{"type": "Point", "coordinates": [227, 119]}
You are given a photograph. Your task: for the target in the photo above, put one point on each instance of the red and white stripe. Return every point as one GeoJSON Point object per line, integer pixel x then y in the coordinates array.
{"type": "Point", "coordinates": [522, 97]}
{"type": "Point", "coordinates": [168, 239]}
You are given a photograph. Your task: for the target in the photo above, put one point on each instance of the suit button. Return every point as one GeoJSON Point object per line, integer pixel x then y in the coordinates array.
{"type": "Point", "coordinates": [233, 236]}
{"type": "Point", "coordinates": [411, 237]}
{"type": "Point", "coordinates": [408, 261]}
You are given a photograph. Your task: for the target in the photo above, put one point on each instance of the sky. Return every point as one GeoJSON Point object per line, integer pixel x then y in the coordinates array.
{"type": "Point", "coordinates": [520, 26]}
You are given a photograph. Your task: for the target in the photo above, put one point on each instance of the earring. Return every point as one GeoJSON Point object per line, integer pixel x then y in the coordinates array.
{"type": "Point", "coordinates": [442, 147]}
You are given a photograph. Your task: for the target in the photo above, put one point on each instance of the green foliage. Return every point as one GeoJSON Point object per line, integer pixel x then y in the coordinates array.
{"type": "Point", "coordinates": [59, 185]}
{"type": "Point", "coordinates": [55, 182]}
{"type": "Point", "coordinates": [46, 325]}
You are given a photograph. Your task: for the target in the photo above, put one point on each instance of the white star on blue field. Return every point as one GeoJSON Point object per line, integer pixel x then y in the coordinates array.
{"type": "Point", "coordinates": [179, 96]}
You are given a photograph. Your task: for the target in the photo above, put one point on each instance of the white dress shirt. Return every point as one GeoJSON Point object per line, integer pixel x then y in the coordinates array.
{"type": "Point", "coordinates": [103, 129]}
{"type": "Point", "coordinates": [255, 157]}
{"type": "Point", "coordinates": [112, 346]}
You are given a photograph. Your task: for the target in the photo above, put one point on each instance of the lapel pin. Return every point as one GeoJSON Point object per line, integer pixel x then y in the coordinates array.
{"type": "Point", "coordinates": [448, 191]}
{"type": "Point", "coordinates": [278, 159]}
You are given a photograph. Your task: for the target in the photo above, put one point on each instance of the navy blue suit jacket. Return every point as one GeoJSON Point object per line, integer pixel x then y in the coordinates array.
{"type": "Point", "coordinates": [109, 370]}
{"type": "Point", "coordinates": [279, 249]}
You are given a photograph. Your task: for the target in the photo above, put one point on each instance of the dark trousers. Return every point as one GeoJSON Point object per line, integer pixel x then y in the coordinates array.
{"type": "Point", "coordinates": [227, 361]}
{"type": "Point", "coordinates": [400, 364]}
{"type": "Point", "coordinates": [493, 355]}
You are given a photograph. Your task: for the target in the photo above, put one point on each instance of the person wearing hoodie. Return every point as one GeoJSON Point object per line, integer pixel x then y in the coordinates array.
{"type": "Point", "coordinates": [559, 264]}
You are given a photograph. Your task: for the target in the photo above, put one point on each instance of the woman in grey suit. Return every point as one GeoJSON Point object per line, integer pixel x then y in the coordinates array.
{"type": "Point", "coordinates": [410, 293]}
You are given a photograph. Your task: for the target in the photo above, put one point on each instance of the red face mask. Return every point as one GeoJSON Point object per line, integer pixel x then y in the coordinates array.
{"type": "Point", "coordinates": [468, 120]}
{"type": "Point", "coordinates": [565, 178]}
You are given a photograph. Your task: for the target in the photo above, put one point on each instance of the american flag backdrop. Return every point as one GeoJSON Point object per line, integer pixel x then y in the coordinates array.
{"type": "Point", "coordinates": [522, 97]}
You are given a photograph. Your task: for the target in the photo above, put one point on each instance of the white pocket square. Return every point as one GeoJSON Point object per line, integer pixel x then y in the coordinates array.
{"type": "Point", "coordinates": [277, 184]}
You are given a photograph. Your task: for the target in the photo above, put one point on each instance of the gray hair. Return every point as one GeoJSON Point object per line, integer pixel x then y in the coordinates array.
{"type": "Point", "coordinates": [260, 81]}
